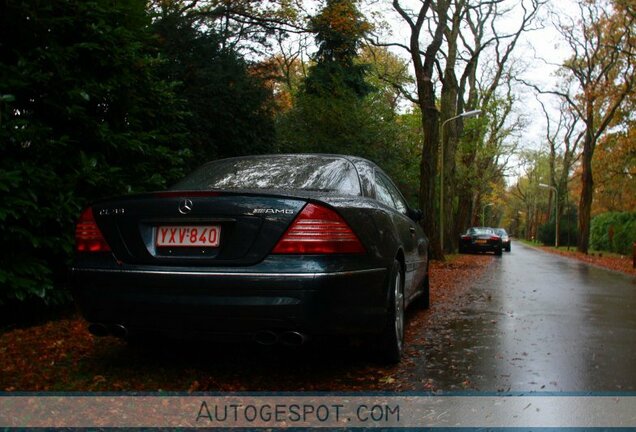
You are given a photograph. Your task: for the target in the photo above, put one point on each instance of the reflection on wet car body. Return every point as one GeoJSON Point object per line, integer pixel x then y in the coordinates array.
{"type": "Point", "coordinates": [274, 248]}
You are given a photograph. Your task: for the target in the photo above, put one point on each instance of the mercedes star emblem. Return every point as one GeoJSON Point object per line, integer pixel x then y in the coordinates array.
{"type": "Point", "coordinates": [185, 206]}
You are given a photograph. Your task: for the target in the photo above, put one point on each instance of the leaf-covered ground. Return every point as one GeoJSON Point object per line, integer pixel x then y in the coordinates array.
{"type": "Point", "coordinates": [614, 262]}
{"type": "Point", "coordinates": [62, 356]}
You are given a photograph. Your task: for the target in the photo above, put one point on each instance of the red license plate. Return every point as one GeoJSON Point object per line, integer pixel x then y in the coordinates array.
{"type": "Point", "coordinates": [188, 236]}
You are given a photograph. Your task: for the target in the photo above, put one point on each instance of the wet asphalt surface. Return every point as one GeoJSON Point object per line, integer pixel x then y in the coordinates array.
{"type": "Point", "coordinates": [540, 322]}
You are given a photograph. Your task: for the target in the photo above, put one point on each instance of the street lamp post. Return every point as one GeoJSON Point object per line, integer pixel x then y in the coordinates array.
{"type": "Point", "coordinates": [525, 228]}
{"type": "Point", "coordinates": [467, 114]}
{"type": "Point", "coordinates": [483, 213]}
{"type": "Point", "coordinates": [556, 212]}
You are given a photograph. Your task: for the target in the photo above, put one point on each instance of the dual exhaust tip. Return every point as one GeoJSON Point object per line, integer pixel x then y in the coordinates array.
{"type": "Point", "coordinates": [289, 338]}
{"type": "Point", "coordinates": [266, 337]}
{"type": "Point", "coordinates": [99, 329]}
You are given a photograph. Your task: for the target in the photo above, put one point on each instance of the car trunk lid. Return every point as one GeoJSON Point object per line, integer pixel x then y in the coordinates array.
{"type": "Point", "coordinates": [198, 228]}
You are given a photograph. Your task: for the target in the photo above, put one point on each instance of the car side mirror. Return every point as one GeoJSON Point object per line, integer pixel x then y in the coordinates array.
{"type": "Point", "coordinates": [415, 214]}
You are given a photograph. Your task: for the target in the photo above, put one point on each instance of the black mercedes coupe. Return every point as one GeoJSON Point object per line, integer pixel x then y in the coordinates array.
{"type": "Point", "coordinates": [274, 248]}
{"type": "Point", "coordinates": [480, 239]}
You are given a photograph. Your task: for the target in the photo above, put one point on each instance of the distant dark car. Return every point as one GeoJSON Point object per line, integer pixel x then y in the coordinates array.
{"type": "Point", "coordinates": [505, 238]}
{"type": "Point", "coordinates": [273, 248]}
{"type": "Point", "coordinates": [480, 239]}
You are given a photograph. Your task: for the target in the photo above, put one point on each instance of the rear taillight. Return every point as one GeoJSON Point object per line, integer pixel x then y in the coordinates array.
{"type": "Point", "coordinates": [465, 237]}
{"type": "Point", "coordinates": [494, 237]}
{"type": "Point", "coordinates": [319, 230]}
{"type": "Point", "coordinates": [88, 237]}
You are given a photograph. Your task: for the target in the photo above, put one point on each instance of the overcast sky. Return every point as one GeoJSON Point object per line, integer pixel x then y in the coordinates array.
{"type": "Point", "coordinates": [538, 50]}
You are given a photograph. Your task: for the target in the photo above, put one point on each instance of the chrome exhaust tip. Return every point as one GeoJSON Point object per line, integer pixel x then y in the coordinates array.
{"type": "Point", "coordinates": [293, 338]}
{"type": "Point", "coordinates": [98, 329]}
{"type": "Point", "coordinates": [118, 330]}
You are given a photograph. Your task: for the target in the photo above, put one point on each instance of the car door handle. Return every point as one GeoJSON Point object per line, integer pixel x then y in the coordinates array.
{"type": "Point", "coordinates": [412, 230]}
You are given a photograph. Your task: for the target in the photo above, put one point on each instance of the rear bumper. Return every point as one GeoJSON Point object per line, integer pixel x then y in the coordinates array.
{"type": "Point", "coordinates": [488, 247]}
{"type": "Point", "coordinates": [196, 303]}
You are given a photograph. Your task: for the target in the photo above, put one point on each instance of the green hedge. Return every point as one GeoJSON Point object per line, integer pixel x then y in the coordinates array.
{"type": "Point", "coordinates": [93, 105]}
{"type": "Point", "coordinates": [624, 227]}
{"type": "Point", "coordinates": [568, 233]}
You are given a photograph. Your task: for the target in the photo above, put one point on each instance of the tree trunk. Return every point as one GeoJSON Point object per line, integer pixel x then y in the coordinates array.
{"type": "Point", "coordinates": [585, 203]}
{"type": "Point", "coordinates": [424, 67]}
{"type": "Point", "coordinates": [556, 220]}
{"type": "Point", "coordinates": [450, 129]}
{"type": "Point", "coordinates": [464, 210]}
{"type": "Point", "coordinates": [448, 103]}
{"type": "Point", "coordinates": [428, 171]}
{"type": "Point", "coordinates": [562, 186]}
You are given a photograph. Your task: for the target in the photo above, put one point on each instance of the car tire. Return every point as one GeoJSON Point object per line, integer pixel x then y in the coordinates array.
{"type": "Point", "coordinates": [498, 252]}
{"type": "Point", "coordinates": [508, 248]}
{"type": "Point", "coordinates": [393, 334]}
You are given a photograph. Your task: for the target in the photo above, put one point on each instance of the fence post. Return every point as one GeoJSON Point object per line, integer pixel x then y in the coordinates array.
{"type": "Point", "coordinates": [634, 255]}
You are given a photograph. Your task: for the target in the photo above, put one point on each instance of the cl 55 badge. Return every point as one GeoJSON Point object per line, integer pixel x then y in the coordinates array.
{"type": "Point", "coordinates": [111, 211]}
{"type": "Point", "coordinates": [272, 211]}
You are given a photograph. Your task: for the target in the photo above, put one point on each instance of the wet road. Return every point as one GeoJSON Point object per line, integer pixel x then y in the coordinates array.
{"type": "Point", "coordinates": [540, 322]}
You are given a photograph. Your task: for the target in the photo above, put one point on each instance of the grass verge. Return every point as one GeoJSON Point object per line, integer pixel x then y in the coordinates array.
{"type": "Point", "coordinates": [608, 260]}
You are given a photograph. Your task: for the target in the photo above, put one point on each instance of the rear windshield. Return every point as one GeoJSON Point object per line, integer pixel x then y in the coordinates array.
{"type": "Point", "coordinates": [284, 172]}
{"type": "Point", "coordinates": [480, 231]}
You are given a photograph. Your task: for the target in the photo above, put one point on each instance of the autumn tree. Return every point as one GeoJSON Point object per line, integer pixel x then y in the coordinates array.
{"type": "Point", "coordinates": [387, 73]}
{"type": "Point", "coordinates": [527, 202]}
{"type": "Point", "coordinates": [596, 81]}
{"type": "Point", "coordinates": [243, 25]}
{"type": "Point", "coordinates": [429, 19]}
{"type": "Point", "coordinates": [476, 157]}
{"type": "Point", "coordinates": [614, 166]}
{"type": "Point", "coordinates": [563, 137]}
{"type": "Point", "coordinates": [330, 113]}
{"type": "Point", "coordinates": [339, 30]}
{"type": "Point", "coordinates": [614, 161]}
{"type": "Point", "coordinates": [344, 105]}
{"type": "Point", "coordinates": [446, 42]}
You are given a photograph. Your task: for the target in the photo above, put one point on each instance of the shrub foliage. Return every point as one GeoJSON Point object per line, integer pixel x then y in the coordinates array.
{"type": "Point", "coordinates": [614, 232]}
{"type": "Point", "coordinates": [94, 103]}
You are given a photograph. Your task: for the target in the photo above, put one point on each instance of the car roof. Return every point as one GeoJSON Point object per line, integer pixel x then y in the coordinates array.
{"type": "Point", "coordinates": [325, 155]}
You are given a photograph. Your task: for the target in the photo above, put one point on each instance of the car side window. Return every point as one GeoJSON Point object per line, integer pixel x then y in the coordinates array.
{"type": "Point", "coordinates": [365, 172]}
{"type": "Point", "coordinates": [382, 193]}
{"type": "Point", "coordinates": [398, 202]}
